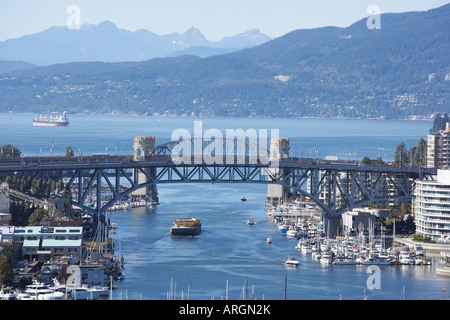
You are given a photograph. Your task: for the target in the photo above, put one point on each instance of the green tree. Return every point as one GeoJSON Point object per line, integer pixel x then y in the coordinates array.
{"type": "Point", "coordinates": [9, 251]}
{"type": "Point", "coordinates": [420, 153]}
{"type": "Point", "coordinates": [53, 186]}
{"type": "Point", "coordinates": [8, 150]}
{"type": "Point", "coordinates": [366, 160]}
{"type": "Point", "coordinates": [401, 154]}
{"type": "Point", "coordinates": [37, 216]}
{"type": "Point", "coordinates": [6, 271]}
{"type": "Point", "coordinates": [69, 151]}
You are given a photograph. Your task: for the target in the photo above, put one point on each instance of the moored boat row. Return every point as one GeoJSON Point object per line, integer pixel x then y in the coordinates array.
{"type": "Point", "coordinates": [349, 250]}
{"type": "Point", "coordinates": [57, 291]}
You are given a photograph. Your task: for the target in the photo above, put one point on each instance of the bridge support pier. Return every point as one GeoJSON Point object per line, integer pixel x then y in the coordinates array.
{"type": "Point", "coordinates": [143, 148]}
{"type": "Point", "coordinates": [276, 193]}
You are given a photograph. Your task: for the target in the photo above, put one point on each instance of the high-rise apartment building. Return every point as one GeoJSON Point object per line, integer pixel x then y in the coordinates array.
{"type": "Point", "coordinates": [432, 206]}
{"type": "Point", "coordinates": [438, 148]}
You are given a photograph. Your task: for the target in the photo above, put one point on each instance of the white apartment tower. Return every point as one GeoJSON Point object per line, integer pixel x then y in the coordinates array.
{"type": "Point", "coordinates": [438, 148]}
{"type": "Point", "coordinates": [432, 206]}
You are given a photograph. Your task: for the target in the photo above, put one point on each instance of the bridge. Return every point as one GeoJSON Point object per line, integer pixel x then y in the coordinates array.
{"type": "Point", "coordinates": [97, 182]}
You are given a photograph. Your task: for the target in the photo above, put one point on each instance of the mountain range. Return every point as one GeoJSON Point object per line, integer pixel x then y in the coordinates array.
{"type": "Point", "coordinates": [399, 71]}
{"type": "Point", "coordinates": [107, 43]}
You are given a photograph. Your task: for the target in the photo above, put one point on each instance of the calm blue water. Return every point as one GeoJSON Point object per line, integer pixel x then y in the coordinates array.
{"type": "Point", "coordinates": [228, 249]}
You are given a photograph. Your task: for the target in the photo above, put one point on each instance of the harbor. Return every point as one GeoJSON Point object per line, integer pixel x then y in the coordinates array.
{"type": "Point", "coordinates": [229, 249]}
{"type": "Point", "coordinates": [301, 222]}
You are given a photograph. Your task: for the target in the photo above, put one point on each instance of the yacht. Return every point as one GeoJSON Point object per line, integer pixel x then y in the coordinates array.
{"type": "Point", "coordinates": [383, 254]}
{"type": "Point", "coordinates": [317, 255]}
{"type": "Point", "coordinates": [343, 261]}
{"type": "Point", "coordinates": [55, 295]}
{"type": "Point", "coordinates": [37, 288]}
{"type": "Point", "coordinates": [291, 232]}
{"type": "Point", "coordinates": [83, 293]}
{"type": "Point", "coordinates": [375, 260]}
{"type": "Point", "coordinates": [405, 257]}
{"type": "Point", "coordinates": [306, 249]}
{"type": "Point", "coordinates": [360, 258]}
{"type": "Point", "coordinates": [119, 275]}
{"type": "Point", "coordinates": [327, 254]}
{"type": "Point", "coordinates": [74, 292]}
{"type": "Point", "coordinates": [7, 295]}
{"type": "Point", "coordinates": [40, 291]}
{"type": "Point", "coordinates": [292, 262]}
{"type": "Point", "coordinates": [24, 296]}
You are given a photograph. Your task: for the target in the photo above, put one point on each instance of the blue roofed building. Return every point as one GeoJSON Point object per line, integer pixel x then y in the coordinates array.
{"type": "Point", "coordinates": [43, 242]}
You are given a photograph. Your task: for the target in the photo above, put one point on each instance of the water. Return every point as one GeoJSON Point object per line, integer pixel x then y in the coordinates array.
{"type": "Point", "coordinates": [228, 250]}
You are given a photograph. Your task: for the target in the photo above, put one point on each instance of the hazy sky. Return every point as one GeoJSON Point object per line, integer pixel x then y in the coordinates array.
{"type": "Point", "coordinates": [215, 18]}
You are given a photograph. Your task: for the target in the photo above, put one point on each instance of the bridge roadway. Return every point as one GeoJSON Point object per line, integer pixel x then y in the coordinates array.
{"type": "Point", "coordinates": [347, 184]}
{"type": "Point", "coordinates": [26, 164]}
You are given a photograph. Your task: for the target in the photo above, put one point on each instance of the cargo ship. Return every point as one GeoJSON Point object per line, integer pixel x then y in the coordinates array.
{"type": "Point", "coordinates": [51, 120]}
{"type": "Point", "coordinates": [186, 227]}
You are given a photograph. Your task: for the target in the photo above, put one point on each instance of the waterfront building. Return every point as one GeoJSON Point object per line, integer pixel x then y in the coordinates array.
{"type": "Point", "coordinates": [45, 242]}
{"type": "Point", "coordinates": [6, 233]}
{"type": "Point", "coordinates": [357, 220]}
{"type": "Point", "coordinates": [432, 206]}
{"type": "Point", "coordinates": [438, 148]}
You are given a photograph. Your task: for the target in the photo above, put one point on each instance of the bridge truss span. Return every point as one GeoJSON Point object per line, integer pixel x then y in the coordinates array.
{"type": "Point", "coordinates": [336, 186]}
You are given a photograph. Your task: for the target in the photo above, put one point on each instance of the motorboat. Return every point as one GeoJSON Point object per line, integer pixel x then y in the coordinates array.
{"type": "Point", "coordinates": [360, 259]}
{"type": "Point", "coordinates": [443, 271]}
{"type": "Point", "coordinates": [243, 199]}
{"type": "Point", "coordinates": [76, 292]}
{"type": "Point", "coordinates": [269, 240]}
{"type": "Point", "coordinates": [392, 260]}
{"type": "Point", "coordinates": [119, 275]}
{"type": "Point", "coordinates": [103, 291]}
{"type": "Point", "coordinates": [375, 261]}
{"type": "Point", "coordinates": [55, 295]}
{"type": "Point", "coordinates": [283, 228]}
{"type": "Point", "coordinates": [83, 293]}
{"type": "Point", "coordinates": [327, 257]}
{"type": "Point", "coordinates": [7, 295]}
{"type": "Point", "coordinates": [418, 249]}
{"type": "Point", "coordinates": [343, 261]}
{"type": "Point", "coordinates": [327, 254]}
{"type": "Point", "coordinates": [405, 257]}
{"type": "Point", "coordinates": [291, 232]}
{"type": "Point", "coordinates": [292, 262]}
{"type": "Point", "coordinates": [306, 249]}
{"type": "Point", "coordinates": [383, 254]}
{"type": "Point", "coordinates": [25, 296]}
{"type": "Point", "coordinates": [317, 255]}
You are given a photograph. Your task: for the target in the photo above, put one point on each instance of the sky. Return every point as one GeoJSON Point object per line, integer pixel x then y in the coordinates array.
{"type": "Point", "coordinates": [215, 18]}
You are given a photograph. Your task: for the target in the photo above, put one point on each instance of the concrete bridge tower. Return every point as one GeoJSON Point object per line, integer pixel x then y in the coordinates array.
{"type": "Point", "coordinates": [278, 194]}
{"type": "Point", "coordinates": [143, 147]}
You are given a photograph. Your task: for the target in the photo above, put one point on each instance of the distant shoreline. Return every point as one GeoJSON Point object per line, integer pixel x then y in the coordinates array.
{"type": "Point", "coordinates": [411, 118]}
